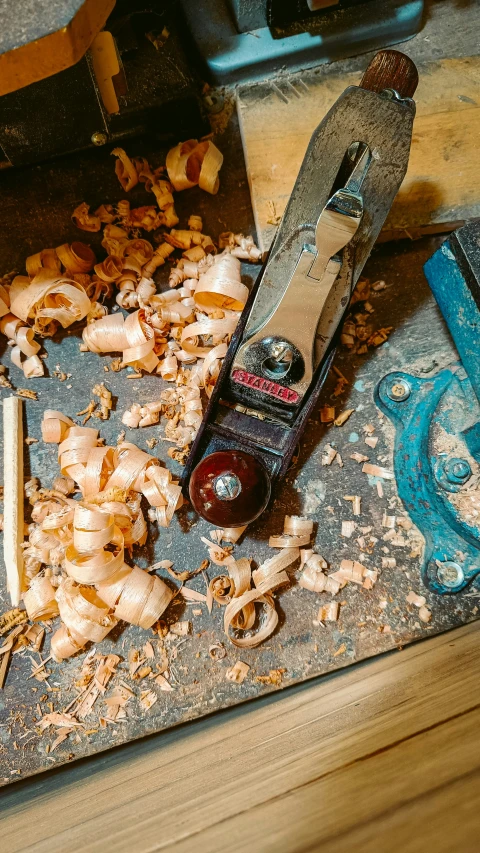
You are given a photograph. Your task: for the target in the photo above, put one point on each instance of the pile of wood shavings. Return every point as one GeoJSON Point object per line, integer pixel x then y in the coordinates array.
{"type": "Point", "coordinates": [74, 559]}
{"type": "Point", "coordinates": [190, 325]}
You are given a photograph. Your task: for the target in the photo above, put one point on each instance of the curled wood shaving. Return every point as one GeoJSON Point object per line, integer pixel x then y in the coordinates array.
{"type": "Point", "coordinates": [240, 611]}
{"type": "Point", "coordinates": [240, 246]}
{"type": "Point", "coordinates": [85, 220]}
{"type": "Point", "coordinates": [221, 286]}
{"type": "Point", "coordinates": [40, 602]}
{"type": "Point", "coordinates": [314, 578]}
{"type": "Point", "coordinates": [217, 651]}
{"type": "Point", "coordinates": [125, 169]}
{"type": "Point", "coordinates": [192, 162]}
{"type": "Point", "coordinates": [50, 300]}
{"type": "Point", "coordinates": [85, 618]}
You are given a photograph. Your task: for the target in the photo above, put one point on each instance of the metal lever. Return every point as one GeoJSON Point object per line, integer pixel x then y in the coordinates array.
{"type": "Point", "coordinates": [340, 218]}
{"type": "Point", "coordinates": [284, 346]}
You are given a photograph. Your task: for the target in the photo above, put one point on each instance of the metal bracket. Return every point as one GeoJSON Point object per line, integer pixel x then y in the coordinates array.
{"type": "Point", "coordinates": [432, 463]}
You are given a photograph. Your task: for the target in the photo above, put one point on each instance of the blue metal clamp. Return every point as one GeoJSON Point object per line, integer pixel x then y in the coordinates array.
{"type": "Point", "coordinates": [437, 423]}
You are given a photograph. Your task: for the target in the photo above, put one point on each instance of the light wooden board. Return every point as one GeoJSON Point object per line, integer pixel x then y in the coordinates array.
{"type": "Point", "coordinates": [384, 756]}
{"type": "Point", "coordinates": [442, 186]}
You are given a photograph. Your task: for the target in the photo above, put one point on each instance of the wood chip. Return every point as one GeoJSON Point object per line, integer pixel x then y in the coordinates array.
{"type": "Point", "coordinates": [148, 699]}
{"type": "Point", "coordinates": [416, 600]}
{"type": "Point", "coordinates": [237, 672]}
{"type": "Point", "coordinates": [377, 471]}
{"type": "Point", "coordinates": [328, 455]}
{"type": "Point", "coordinates": [181, 629]}
{"type": "Point", "coordinates": [358, 457]}
{"type": "Point", "coordinates": [348, 527]}
{"type": "Point", "coordinates": [192, 594]}
{"type": "Point", "coordinates": [26, 393]}
{"type": "Point", "coordinates": [343, 417]}
{"type": "Point", "coordinates": [424, 614]}
{"type": "Point", "coordinates": [327, 414]}
{"type": "Point", "coordinates": [388, 520]}
{"type": "Point", "coordinates": [329, 612]}
{"type": "Point", "coordinates": [275, 676]}
{"type": "Point", "coordinates": [163, 683]}
{"type": "Point", "coordinates": [356, 503]}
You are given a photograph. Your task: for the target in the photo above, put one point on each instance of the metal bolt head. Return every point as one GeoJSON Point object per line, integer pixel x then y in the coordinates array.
{"type": "Point", "coordinates": [449, 574]}
{"type": "Point", "coordinates": [99, 137]}
{"type": "Point", "coordinates": [227, 486]}
{"type": "Point", "coordinates": [457, 471]}
{"type": "Point", "coordinates": [399, 391]}
{"type": "Point", "coordinates": [214, 102]}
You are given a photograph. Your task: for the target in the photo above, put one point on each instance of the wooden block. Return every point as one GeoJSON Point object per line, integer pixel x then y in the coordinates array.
{"type": "Point", "coordinates": [442, 185]}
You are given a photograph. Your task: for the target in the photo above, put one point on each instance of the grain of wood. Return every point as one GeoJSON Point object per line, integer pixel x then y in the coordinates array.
{"type": "Point", "coordinates": [337, 755]}
{"type": "Point", "coordinates": [441, 185]}
{"type": "Point", "coordinates": [13, 496]}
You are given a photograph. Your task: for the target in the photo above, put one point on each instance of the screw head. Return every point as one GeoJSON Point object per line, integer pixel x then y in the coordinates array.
{"type": "Point", "coordinates": [450, 574]}
{"type": "Point", "coordinates": [457, 471]}
{"type": "Point", "coordinates": [399, 391]}
{"type": "Point", "coordinates": [227, 486]}
{"type": "Point", "coordinates": [99, 137]}
{"type": "Point", "coordinates": [279, 360]}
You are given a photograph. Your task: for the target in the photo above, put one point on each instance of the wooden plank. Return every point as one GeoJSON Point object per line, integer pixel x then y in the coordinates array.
{"type": "Point", "coordinates": [335, 802]}
{"type": "Point", "coordinates": [337, 752]}
{"type": "Point", "coordinates": [443, 819]}
{"type": "Point", "coordinates": [442, 185]}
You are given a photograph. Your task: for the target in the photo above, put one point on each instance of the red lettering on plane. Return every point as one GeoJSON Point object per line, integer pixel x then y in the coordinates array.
{"type": "Point", "coordinates": [250, 380]}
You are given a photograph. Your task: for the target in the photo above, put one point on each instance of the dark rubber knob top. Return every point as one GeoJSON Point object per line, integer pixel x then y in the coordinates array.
{"type": "Point", "coordinates": [230, 488]}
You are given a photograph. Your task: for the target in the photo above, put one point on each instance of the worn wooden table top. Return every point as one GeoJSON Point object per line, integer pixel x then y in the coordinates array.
{"type": "Point", "coordinates": [384, 756]}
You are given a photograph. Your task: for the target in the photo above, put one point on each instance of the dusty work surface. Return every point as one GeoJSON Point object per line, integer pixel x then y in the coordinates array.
{"type": "Point", "coordinates": [37, 204]}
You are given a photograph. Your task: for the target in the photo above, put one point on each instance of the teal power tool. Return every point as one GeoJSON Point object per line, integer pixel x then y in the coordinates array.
{"type": "Point", "coordinates": [437, 422]}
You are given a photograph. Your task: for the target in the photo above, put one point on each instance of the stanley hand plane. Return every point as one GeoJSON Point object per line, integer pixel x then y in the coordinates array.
{"type": "Point", "coordinates": [285, 341]}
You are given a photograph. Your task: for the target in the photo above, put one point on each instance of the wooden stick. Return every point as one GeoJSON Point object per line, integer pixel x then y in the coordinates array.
{"type": "Point", "coordinates": [13, 496]}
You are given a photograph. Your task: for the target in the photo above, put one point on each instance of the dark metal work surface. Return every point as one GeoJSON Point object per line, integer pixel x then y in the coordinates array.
{"type": "Point", "coordinates": [63, 112]}
{"type": "Point", "coordinates": [29, 20]}
{"type": "Point", "coordinates": [37, 203]}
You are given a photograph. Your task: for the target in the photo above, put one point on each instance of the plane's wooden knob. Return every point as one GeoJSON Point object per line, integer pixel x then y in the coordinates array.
{"type": "Point", "coordinates": [230, 488]}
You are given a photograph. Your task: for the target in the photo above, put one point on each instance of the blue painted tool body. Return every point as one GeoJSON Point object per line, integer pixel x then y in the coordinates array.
{"type": "Point", "coordinates": [437, 422]}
